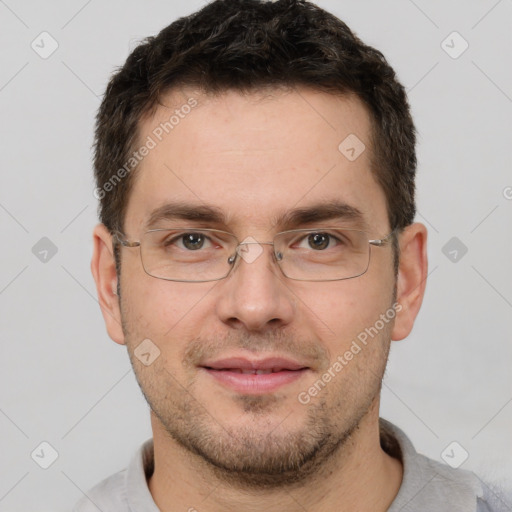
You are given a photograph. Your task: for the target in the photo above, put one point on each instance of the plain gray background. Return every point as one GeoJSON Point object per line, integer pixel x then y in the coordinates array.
{"type": "Point", "coordinates": [66, 383]}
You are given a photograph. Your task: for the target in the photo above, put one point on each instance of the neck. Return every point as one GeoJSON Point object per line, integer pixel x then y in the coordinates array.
{"type": "Point", "coordinates": [359, 476]}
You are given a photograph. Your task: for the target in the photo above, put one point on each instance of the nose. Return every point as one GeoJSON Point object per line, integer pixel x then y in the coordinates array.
{"type": "Point", "coordinates": [255, 296]}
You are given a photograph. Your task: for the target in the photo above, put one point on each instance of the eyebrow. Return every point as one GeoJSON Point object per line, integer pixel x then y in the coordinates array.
{"type": "Point", "coordinates": [324, 211]}
{"type": "Point", "coordinates": [314, 213]}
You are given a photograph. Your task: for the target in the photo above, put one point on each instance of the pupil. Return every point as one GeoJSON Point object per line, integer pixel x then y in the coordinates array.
{"type": "Point", "coordinates": [193, 241]}
{"type": "Point", "coordinates": [319, 240]}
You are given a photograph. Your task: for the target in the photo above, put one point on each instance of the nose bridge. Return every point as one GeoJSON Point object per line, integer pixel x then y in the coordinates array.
{"type": "Point", "coordinates": [250, 250]}
{"type": "Point", "coordinates": [253, 294]}
{"type": "Point", "coordinates": [247, 242]}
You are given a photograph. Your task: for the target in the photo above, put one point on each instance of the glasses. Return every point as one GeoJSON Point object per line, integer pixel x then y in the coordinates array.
{"type": "Point", "coordinates": [198, 255]}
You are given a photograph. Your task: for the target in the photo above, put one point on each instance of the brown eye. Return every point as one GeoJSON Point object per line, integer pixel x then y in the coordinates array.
{"type": "Point", "coordinates": [187, 241]}
{"type": "Point", "coordinates": [193, 241]}
{"type": "Point", "coordinates": [319, 241]}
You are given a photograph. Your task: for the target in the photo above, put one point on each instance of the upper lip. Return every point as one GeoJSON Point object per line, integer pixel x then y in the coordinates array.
{"type": "Point", "coordinates": [242, 363]}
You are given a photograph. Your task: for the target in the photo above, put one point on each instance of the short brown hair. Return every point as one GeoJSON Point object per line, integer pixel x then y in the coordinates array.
{"type": "Point", "coordinates": [246, 45]}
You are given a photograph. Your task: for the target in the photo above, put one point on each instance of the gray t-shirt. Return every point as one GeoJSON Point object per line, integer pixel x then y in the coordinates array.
{"type": "Point", "coordinates": [427, 485]}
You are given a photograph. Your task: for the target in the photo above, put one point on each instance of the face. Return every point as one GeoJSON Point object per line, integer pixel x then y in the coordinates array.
{"type": "Point", "coordinates": [254, 159]}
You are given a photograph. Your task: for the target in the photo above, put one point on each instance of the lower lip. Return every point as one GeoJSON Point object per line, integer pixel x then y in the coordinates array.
{"type": "Point", "coordinates": [253, 383]}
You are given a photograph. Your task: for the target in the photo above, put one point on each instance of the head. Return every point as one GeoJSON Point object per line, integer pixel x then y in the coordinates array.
{"type": "Point", "coordinates": [242, 113]}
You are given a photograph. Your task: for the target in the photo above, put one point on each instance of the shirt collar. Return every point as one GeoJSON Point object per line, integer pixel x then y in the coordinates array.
{"type": "Point", "coordinates": [427, 485]}
{"type": "Point", "coordinates": [139, 470]}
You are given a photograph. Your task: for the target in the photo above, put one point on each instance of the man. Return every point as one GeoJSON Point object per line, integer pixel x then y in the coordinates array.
{"type": "Point", "coordinates": [257, 254]}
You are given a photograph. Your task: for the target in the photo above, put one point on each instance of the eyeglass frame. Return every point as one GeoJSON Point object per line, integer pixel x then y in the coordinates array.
{"type": "Point", "coordinates": [378, 242]}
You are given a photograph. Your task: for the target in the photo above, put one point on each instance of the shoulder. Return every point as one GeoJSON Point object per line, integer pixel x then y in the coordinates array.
{"type": "Point", "coordinates": [429, 485]}
{"type": "Point", "coordinates": [494, 499]}
{"type": "Point", "coordinates": [126, 490]}
{"type": "Point", "coordinates": [109, 495]}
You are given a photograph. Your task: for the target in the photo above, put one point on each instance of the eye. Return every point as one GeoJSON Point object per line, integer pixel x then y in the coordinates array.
{"type": "Point", "coordinates": [188, 241]}
{"type": "Point", "coordinates": [319, 241]}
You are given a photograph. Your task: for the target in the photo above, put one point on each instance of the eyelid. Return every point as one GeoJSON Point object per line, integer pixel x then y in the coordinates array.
{"type": "Point", "coordinates": [321, 229]}
{"type": "Point", "coordinates": [177, 236]}
{"type": "Point", "coordinates": [328, 232]}
{"type": "Point", "coordinates": [210, 233]}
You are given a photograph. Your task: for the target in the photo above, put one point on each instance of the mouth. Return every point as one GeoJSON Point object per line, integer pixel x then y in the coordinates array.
{"type": "Point", "coordinates": [251, 376]}
{"type": "Point", "coordinates": [251, 372]}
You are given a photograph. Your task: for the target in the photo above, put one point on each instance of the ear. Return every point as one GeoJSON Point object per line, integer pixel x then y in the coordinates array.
{"type": "Point", "coordinates": [103, 268]}
{"type": "Point", "coordinates": [412, 278]}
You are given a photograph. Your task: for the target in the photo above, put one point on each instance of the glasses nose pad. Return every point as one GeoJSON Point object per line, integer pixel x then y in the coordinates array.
{"type": "Point", "coordinates": [233, 258]}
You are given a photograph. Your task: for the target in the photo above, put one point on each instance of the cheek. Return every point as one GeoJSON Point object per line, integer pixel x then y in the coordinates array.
{"type": "Point", "coordinates": [168, 313]}
{"type": "Point", "coordinates": [340, 313]}
{"type": "Point", "coordinates": [353, 302]}
{"type": "Point", "coordinates": [155, 299]}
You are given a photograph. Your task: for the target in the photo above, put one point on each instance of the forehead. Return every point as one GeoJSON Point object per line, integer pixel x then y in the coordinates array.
{"type": "Point", "coordinates": [253, 157]}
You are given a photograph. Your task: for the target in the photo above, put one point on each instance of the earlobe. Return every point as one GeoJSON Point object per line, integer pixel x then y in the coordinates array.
{"type": "Point", "coordinates": [103, 269]}
{"type": "Point", "coordinates": [412, 275]}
